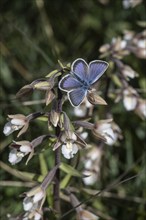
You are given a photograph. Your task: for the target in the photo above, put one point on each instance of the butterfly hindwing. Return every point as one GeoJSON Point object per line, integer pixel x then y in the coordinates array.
{"type": "Point", "coordinates": [96, 70]}
{"type": "Point", "coordinates": [77, 96]}
{"type": "Point", "coordinates": [69, 83]}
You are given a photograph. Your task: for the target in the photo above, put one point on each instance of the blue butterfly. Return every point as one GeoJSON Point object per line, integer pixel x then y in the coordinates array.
{"type": "Point", "coordinates": [81, 79]}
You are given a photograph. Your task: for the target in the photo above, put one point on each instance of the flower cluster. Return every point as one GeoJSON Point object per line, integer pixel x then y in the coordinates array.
{"type": "Point", "coordinates": [131, 3]}
{"type": "Point", "coordinates": [130, 43]}
{"type": "Point", "coordinates": [32, 203]}
{"type": "Point", "coordinates": [107, 131]}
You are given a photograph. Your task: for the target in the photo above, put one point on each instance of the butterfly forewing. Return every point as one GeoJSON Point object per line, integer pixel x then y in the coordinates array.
{"type": "Point", "coordinates": [69, 83]}
{"type": "Point", "coordinates": [80, 69]}
{"type": "Point", "coordinates": [96, 70]}
{"type": "Point", "coordinates": [76, 97]}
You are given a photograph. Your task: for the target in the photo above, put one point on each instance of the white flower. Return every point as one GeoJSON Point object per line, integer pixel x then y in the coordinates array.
{"type": "Point", "coordinates": [16, 122]}
{"type": "Point", "coordinates": [81, 110]}
{"type": "Point", "coordinates": [27, 204]}
{"type": "Point", "coordinates": [22, 149]}
{"type": "Point", "coordinates": [37, 216]}
{"type": "Point", "coordinates": [91, 177]}
{"type": "Point", "coordinates": [130, 3]}
{"type": "Point", "coordinates": [10, 128]}
{"type": "Point", "coordinates": [127, 71]}
{"type": "Point", "coordinates": [15, 156]}
{"type": "Point", "coordinates": [104, 129]}
{"type": "Point", "coordinates": [123, 44]}
{"type": "Point", "coordinates": [34, 214]}
{"type": "Point", "coordinates": [69, 146]}
{"type": "Point", "coordinates": [92, 165]}
{"type": "Point", "coordinates": [69, 150]}
{"type": "Point", "coordinates": [129, 100]}
{"type": "Point", "coordinates": [32, 199]}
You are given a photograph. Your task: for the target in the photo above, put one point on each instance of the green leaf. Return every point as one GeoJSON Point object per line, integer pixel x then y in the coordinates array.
{"type": "Point", "coordinates": [70, 170]}
{"type": "Point", "coordinates": [53, 73]}
{"type": "Point", "coordinates": [116, 81]}
{"type": "Point", "coordinates": [42, 118]}
{"type": "Point", "coordinates": [65, 181]}
{"type": "Point", "coordinates": [43, 164]}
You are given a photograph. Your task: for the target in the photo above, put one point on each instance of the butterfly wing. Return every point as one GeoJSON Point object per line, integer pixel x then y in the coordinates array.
{"type": "Point", "coordinates": [80, 69]}
{"type": "Point", "coordinates": [69, 83]}
{"type": "Point", "coordinates": [77, 96]}
{"type": "Point", "coordinates": [96, 70]}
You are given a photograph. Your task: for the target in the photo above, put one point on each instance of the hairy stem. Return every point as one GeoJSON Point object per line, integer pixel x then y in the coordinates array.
{"type": "Point", "coordinates": [57, 157]}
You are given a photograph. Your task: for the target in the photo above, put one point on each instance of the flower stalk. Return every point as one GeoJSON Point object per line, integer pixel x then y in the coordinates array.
{"type": "Point", "coordinates": [56, 189]}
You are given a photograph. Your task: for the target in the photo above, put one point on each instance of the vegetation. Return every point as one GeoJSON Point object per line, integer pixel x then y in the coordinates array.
{"type": "Point", "coordinates": [104, 174]}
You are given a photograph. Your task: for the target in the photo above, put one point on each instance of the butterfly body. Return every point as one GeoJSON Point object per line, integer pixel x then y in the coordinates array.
{"type": "Point", "coordinates": [81, 79]}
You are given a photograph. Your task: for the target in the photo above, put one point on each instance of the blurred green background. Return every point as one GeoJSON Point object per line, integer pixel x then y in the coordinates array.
{"type": "Point", "coordinates": [34, 35]}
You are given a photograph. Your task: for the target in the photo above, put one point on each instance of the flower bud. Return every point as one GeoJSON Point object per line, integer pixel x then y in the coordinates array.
{"type": "Point", "coordinates": [129, 99]}
{"type": "Point", "coordinates": [141, 108]}
{"type": "Point", "coordinates": [86, 215]}
{"type": "Point", "coordinates": [54, 117]}
{"type": "Point", "coordinates": [95, 99]}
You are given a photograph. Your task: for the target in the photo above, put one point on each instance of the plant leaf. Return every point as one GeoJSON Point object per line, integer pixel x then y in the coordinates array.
{"type": "Point", "coordinates": [70, 170]}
